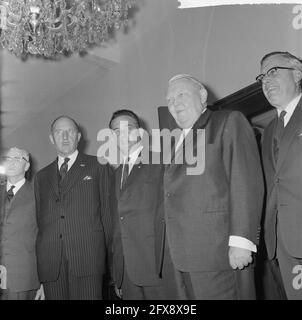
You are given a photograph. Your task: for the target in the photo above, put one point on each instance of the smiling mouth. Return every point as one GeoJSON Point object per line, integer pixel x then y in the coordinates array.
{"type": "Point", "coordinates": [271, 90]}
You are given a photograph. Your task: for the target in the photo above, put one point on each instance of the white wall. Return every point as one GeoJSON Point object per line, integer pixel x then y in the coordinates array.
{"type": "Point", "coordinates": [220, 45]}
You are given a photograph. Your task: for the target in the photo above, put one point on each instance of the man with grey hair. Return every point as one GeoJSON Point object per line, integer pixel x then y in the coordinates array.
{"type": "Point", "coordinates": [212, 216]}
{"type": "Point", "coordinates": [281, 74]}
{"type": "Point", "coordinates": [18, 230]}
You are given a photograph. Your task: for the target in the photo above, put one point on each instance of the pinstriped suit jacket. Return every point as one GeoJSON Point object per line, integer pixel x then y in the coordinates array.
{"type": "Point", "coordinates": [77, 216]}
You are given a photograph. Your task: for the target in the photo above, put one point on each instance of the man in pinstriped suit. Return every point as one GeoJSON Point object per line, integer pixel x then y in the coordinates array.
{"type": "Point", "coordinates": [73, 218]}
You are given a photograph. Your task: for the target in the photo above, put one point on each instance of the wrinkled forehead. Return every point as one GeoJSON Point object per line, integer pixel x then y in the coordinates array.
{"type": "Point", "coordinates": [16, 152]}
{"type": "Point", "coordinates": [274, 61]}
{"type": "Point", "coordinates": [64, 124]}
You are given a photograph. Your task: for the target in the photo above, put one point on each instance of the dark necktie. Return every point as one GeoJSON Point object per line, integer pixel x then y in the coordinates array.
{"type": "Point", "coordinates": [279, 133]}
{"type": "Point", "coordinates": [10, 193]}
{"type": "Point", "coordinates": [125, 174]}
{"type": "Point", "coordinates": [64, 168]}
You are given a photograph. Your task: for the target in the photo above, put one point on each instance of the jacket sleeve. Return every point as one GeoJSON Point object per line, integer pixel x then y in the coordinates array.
{"type": "Point", "coordinates": [243, 168]}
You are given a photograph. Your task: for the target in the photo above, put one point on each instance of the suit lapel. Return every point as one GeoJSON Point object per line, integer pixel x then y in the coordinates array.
{"type": "Point", "coordinates": [199, 124]}
{"type": "Point", "coordinates": [73, 173]}
{"type": "Point", "coordinates": [118, 177]}
{"type": "Point", "coordinates": [293, 127]}
{"type": "Point", "coordinates": [131, 177]}
{"type": "Point", "coordinates": [269, 142]}
{"type": "Point", "coordinates": [2, 199]}
{"type": "Point", "coordinates": [53, 177]}
{"type": "Point", "coordinates": [20, 197]}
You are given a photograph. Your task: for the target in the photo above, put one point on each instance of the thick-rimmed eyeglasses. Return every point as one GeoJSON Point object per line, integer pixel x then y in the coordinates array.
{"type": "Point", "coordinates": [13, 159]}
{"type": "Point", "coordinates": [271, 73]}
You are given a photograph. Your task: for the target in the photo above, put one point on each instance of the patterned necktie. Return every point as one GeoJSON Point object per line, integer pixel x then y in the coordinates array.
{"type": "Point", "coordinates": [125, 173]}
{"type": "Point", "coordinates": [10, 193]}
{"type": "Point", "coordinates": [278, 134]}
{"type": "Point", "coordinates": [64, 168]}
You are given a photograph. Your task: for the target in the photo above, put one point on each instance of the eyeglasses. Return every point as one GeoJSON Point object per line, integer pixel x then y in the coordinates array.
{"type": "Point", "coordinates": [271, 73]}
{"type": "Point", "coordinates": [15, 159]}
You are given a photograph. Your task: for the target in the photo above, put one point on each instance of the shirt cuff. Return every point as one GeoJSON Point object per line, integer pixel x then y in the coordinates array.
{"type": "Point", "coordinates": [240, 242]}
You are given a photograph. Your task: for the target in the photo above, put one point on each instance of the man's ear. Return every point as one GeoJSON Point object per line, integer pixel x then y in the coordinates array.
{"type": "Point", "coordinates": [79, 136]}
{"type": "Point", "coordinates": [203, 95]}
{"type": "Point", "coordinates": [27, 166]}
{"type": "Point", "coordinates": [51, 139]}
{"type": "Point", "coordinates": [297, 75]}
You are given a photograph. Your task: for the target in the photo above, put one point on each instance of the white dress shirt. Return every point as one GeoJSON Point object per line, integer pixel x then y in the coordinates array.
{"type": "Point", "coordinates": [131, 159]}
{"type": "Point", "coordinates": [290, 108]}
{"type": "Point", "coordinates": [72, 159]}
{"type": "Point", "coordinates": [17, 185]}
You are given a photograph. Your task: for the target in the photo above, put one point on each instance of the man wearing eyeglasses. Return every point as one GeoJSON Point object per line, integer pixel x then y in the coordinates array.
{"type": "Point", "coordinates": [19, 277]}
{"type": "Point", "coordinates": [281, 74]}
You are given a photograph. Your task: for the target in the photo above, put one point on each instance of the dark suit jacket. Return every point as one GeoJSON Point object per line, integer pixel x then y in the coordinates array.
{"type": "Point", "coordinates": [78, 217]}
{"type": "Point", "coordinates": [202, 211]}
{"type": "Point", "coordinates": [133, 241]}
{"type": "Point", "coordinates": [18, 239]}
{"type": "Point", "coordinates": [284, 185]}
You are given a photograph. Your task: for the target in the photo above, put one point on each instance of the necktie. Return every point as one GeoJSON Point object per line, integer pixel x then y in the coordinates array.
{"type": "Point", "coordinates": [64, 168]}
{"type": "Point", "coordinates": [10, 193]}
{"type": "Point", "coordinates": [125, 173]}
{"type": "Point", "coordinates": [279, 133]}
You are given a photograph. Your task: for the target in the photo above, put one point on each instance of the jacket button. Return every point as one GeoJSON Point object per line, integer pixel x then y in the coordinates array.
{"type": "Point", "coordinates": [122, 218]}
{"type": "Point", "coordinates": [168, 194]}
{"type": "Point", "coordinates": [277, 180]}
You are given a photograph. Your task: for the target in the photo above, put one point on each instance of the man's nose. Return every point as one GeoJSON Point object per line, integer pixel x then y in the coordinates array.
{"type": "Point", "coordinates": [65, 135]}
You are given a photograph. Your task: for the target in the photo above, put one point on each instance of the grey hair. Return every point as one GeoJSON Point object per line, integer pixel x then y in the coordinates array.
{"type": "Point", "coordinates": [187, 77]}
{"type": "Point", "coordinates": [23, 152]}
{"type": "Point", "coordinates": [294, 61]}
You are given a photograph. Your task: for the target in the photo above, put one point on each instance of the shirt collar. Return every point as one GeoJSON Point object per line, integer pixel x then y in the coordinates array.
{"type": "Point", "coordinates": [290, 108]}
{"type": "Point", "coordinates": [133, 155]}
{"type": "Point", "coordinates": [72, 159]}
{"type": "Point", "coordinates": [17, 185]}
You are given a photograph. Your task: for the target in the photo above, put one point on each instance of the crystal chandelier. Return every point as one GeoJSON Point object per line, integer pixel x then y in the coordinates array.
{"type": "Point", "coordinates": [52, 27]}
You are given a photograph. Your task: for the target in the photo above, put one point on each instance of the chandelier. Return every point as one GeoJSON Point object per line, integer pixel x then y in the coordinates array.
{"type": "Point", "coordinates": [52, 27]}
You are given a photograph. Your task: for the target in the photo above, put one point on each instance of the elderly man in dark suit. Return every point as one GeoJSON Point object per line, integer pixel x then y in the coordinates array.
{"type": "Point", "coordinates": [72, 196]}
{"type": "Point", "coordinates": [18, 231]}
{"type": "Point", "coordinates": [139, 195]}
{"type": "Point", "coordinates": [281, 75]}
{"type": "Point", "coordinates": [212, 206]}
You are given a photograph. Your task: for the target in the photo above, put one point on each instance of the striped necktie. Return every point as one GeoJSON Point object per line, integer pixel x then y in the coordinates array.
{"type": "Point", "coordinates": [64, 168]}
{"type": "Point", "coordinates": [10, 193]}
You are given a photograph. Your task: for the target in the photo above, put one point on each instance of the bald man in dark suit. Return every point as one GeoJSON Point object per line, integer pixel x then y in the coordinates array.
{"type": "Point", "coordinates": [72, 195]}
